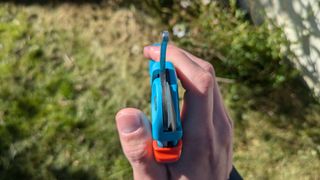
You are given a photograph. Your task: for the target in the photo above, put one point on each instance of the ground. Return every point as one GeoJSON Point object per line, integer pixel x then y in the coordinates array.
{"type": "Point", "coordinates": [65, 72]}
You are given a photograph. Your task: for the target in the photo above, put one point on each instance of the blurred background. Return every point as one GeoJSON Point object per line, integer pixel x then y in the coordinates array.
{"type": "Point", "coordinates": [67, 67]}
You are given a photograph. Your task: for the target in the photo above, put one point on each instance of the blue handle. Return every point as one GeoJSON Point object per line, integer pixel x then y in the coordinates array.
{"type": "Point", "coordinates": [158, 132]}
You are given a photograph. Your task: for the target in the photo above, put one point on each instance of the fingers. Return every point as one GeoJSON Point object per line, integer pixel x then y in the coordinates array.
{"type": "Point", "coordinates": [219, 109]}
{"type": "Point", "coordinates": [192, 76]}
{"type": "Point", "coordinates": [198, 100]}
{"type": "Point", "coordinates": [206, 66]}
{"type": "Point", "coordinates": [136, 141]}
{"type": "Point", "coordinates": [224, 125]}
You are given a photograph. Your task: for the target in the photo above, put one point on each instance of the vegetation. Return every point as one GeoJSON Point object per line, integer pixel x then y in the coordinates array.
{"type": "Point", "coordinates": [66, 69]}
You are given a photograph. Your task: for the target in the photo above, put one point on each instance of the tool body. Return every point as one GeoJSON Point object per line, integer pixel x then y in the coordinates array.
{"type": "Point", "coordinates": [166, 123]}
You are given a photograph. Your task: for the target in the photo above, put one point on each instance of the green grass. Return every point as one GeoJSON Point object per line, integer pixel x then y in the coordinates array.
{"type": "Point", "coordinates": [67, 70]}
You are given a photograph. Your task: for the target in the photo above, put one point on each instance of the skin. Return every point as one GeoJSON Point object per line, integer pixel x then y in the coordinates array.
{"type": "Point", "coordinates": [207, 128]}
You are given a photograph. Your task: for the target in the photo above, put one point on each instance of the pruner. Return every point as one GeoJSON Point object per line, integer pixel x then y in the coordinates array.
{"type": "Point", "coordinates": [166, 123]}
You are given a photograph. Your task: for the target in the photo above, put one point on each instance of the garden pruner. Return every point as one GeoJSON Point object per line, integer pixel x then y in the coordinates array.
{"type": "Point", "coordinates": [166, 123]}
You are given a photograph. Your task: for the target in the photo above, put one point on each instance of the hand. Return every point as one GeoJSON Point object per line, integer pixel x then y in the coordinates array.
{"type": "Point", "coordinates": [207, 128]}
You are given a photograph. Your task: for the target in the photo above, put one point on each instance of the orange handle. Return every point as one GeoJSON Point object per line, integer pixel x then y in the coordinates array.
{"type": "Point", "coordinates": [167, 154]}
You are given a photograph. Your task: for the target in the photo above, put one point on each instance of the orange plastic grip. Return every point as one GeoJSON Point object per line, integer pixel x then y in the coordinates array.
{"type": "Point", "coordinates": [167, 154]}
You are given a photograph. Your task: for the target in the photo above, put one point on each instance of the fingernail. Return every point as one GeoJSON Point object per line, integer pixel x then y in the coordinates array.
{"type": "Point", "coordinates": [128, 123]}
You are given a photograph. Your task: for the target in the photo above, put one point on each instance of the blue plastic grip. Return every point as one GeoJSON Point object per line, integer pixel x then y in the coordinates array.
{"type": "Point", "coordinates": [158, 132]}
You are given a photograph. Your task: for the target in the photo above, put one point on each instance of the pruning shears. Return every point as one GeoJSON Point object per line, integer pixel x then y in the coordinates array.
{"type": "Point", "coordinates": [166, 123]}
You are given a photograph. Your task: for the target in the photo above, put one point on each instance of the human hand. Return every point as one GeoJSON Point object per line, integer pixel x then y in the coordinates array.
{"type": "Point", "coordinates": [207, 128]}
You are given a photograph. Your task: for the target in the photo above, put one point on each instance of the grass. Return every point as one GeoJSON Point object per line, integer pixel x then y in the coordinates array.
{"type": "Point", "coordinates": [66, 71]}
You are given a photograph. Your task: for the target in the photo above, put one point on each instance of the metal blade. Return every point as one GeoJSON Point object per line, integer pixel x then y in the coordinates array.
{"type": "Point", "coordinates": [171, 118]}
{"type": "Point", "coordinates": [164, 102]}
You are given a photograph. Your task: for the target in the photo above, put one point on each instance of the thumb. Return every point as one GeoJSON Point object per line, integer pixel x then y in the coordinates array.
{"type": "Point", "coordinates": [135, 136]}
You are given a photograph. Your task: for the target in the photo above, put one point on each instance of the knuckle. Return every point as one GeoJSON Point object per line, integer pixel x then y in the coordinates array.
{"type": "Point", "coordinates": [209, 68]}
{"type": "Point", "coordinates": [205, 80]}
